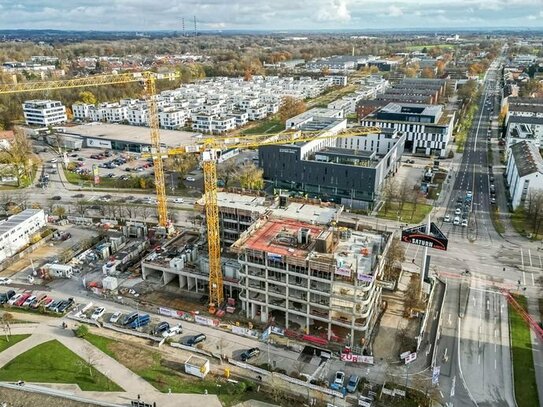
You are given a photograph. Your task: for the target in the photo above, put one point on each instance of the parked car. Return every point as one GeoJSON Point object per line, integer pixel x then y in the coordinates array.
{"type": "Point", "coordinates": [52, 306]}
{"type": "Point", "coordinates": [447, 218]}
{"type": "Point", "coordinates": [5, 297]}
{"type": "Point", "coordinates": [29, 301]}
{"type": "Point", "coordinates": [98, 312]}
{"type": "Point", "coordinates": [14, 298]}
{"type": "Point", "coordinates": [21, 300]}
{"type": "Point", "coordinates": [56, 198]}
{"type": "Point", "coordinates": [65, 305]}
{"type": "Point", "coordinates": [172, 331]}
{"type": "Point", "coordinates": [5, 281]}
{"type": "Point", "coordinates": [493, 201]}
{"type": "Point", "coordinates": [196, 339]}
{"type": "Point", "coordinates": [458, 211]}
{"type": "Point", "coordinates": [250, 353]}
{"type": "Point", "coordinates": [140, 321]}
{"type": "Point", "coordinates": [464, 222]}
{"type": "Point", "coordinates": [115, 317]}
{"type": "Point", "coordinates": [352, 385]}
{"type": "Point", "coordinates": [190, 179]}
{"type": "Point", "coordinates": [456, 220]}
{"type": "Point", "coordinates": [130, 318]}
{"type": "Point", "coordinates": [339, 378]}
{"type": "Point", "coordinates": [160, 328]}
{"type": "Point", "coordinates": [178, 200]}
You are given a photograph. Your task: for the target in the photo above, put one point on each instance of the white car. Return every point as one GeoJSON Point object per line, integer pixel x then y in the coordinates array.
{"type": "Point", "coordinates": [172, 331]}
{"type": "Point", "coordinates": [5, 281]}
{"type": "Point", "coordinates": [339, 378]}
{"type": "Point", "coordinates": [178, 200]}
{"type": "Point", "coordinates": [115, 317]}
{"type": "Point", "coordinates": [29, 301]}
{"type": "Point", "coordinates": [447, 218]}
{"type": "Point", "coordinates": [469, 194]}
{"type": "Point", "coordinates": [98, 312]}
{"type": "Point", "coordinates": [14, 299]}
{"type": "Point", "coordinates": [465, 223]}
{"type": "Point", "coordinates": [458, 211]}
{"type": "Point", "coordinates": [456, 220]}
{"type": "Point", "coordinates": [190, 179]}
{"type": "Point", "coordinates": [53, 160]}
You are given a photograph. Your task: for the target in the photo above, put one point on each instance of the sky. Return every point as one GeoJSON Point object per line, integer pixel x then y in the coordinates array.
{"type": "Point", "coordinates": [146, 15]}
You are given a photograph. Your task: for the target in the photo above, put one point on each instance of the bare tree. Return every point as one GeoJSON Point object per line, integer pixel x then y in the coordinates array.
{"type": "Point", "coordinates": [227, 171]}
{"type": "Point", "coordinates": [7, 318]}
{"type": "Point", "coordinates": [388, 193]}
{"type": "Point", "coordinates": [393, 260]}
{"type": "Point", "coordinates": [403, 194]}
{"type": "Point", "coordinates": [19, 155]}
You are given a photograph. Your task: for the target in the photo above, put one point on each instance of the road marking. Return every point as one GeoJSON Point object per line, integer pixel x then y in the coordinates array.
{"type": "Point", "coordinates": [540, 262]}
{"type": "Point", "coordinates": [522, 258]}
{"type": "Point", "coordinates": [495, 364]}
{"type": "Point", "coordinates": [533, 282]}
{"type": "Point", "coordinates": [487, 306]}
{"type": "Point", "coordinates": [479, 359]}
{"type": "Point", "coordinates": [530, 256]}
{"type": "Point", "coordinates": [453, 385]}
{"type": "Point", "coordinates": [450, 322]}
{"type": "Point", "coordinates": [523, 278]}
{"type": "Point", "coordinates": [495, 333]}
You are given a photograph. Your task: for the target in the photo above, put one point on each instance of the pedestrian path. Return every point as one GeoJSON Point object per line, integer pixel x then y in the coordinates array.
{"type": "Point", "coordinates": [133, 384]}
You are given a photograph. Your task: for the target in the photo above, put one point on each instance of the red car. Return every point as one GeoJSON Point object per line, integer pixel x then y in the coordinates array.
{"type": "Point", "coordinates": [21, 300]}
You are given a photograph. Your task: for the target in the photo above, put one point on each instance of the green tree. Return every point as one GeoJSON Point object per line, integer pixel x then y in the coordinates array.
{"type": "Point", "coordinates": [81, 331]}
{"type": "Point", "coordinates": [181, 164]}
{"type": "Point", "coordinates": [290, 107]}
{"type": "Point", "coordinates": [87, 98]}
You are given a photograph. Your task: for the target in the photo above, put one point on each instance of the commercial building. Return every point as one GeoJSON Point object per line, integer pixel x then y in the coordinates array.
{"type": "Point", "coordinates": [312, 279]}
{"type": "Point", "coordinates": [524, 172]}
{"type": "Point", "coordinates": [119, 137]}
{"type": "Point", "coordinates": [44, 112]}
{"type": "Point", "coordinates": [310, 115]}
{"type": "Point", "coordinates": [428, 128]}
{"type": "Point", "coordinates": [16, 231]}
{"type": "Point", "coordinates": [348, 170]}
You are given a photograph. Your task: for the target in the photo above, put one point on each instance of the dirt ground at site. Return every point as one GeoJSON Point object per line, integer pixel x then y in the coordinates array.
{"type": "Point", "coordinates": [20, 398]}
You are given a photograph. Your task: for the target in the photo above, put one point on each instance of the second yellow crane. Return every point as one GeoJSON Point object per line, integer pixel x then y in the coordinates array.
{"type": "Point", "coordinates": [209, 150]}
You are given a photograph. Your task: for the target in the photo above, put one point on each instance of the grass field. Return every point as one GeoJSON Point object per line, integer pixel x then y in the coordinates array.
{"type": "Point", "coordinates": [13, 339]}
{"type": "Point", "coordinates": [164, 374]}
{"type": "Point", "coordinates": [522, 225]}
{"type": "Point", "coordinates": [331, 95]}
{"type": "Point", "coordinates": [496, 220]}
{"type": "Point", "coordinates": [271, 126]}
{"type": "Point", "coordinates": [523, 362]}
{"type": "Point", "coordinates": [407, 214]}
{"type": "Point", "coordinates": [52, 362]}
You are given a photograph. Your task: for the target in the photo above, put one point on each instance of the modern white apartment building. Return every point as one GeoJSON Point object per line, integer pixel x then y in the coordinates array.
{"type": "Point", "coordinates": [17, 230]}
{"type": "Point", "coordinates": [312, 279]}
{"type": "Point", "coordinates": [428, 128]}
{"type": "Point", "coordinates": [172, 118]}
{"type": "Point", "coordinates": [524, 172]}
{"type": "Point", "coordinates": [44, 112]}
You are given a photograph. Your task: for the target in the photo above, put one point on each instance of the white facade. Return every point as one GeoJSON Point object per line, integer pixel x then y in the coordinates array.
{"type": "Point", "coordinates": [16, 231]}
{"type": "Point", "coordinates": [172, 118]}
{"type": "Point", "coordinates": [44, 112]}
{"type": "Point", "coordinates": [524, 173]}
{"type": "Point", "coordinates": [304, 118]}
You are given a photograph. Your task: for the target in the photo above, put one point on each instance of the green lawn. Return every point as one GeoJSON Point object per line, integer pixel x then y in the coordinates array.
{"type": "Point", "coordinates": [523, 362]}
{"type": "Point", "coordinates": [522, 225]}
{"type": "Point", "coordinates": [52, 362]}
{"type": "Point", "coordinates": [407, 214]}
{"type": "Point", "coordinates": [13, 339]}
{"type": "Point", "coordinates": [9, 308]}
{"type": "Point", "coordinates": [164, 374]}
{"type": "Point", "coordinates": [496, 220]}
{"type": "Point", "coordinates": [330, 95]}
{"type": "Point", "coordinates": [271, 126]}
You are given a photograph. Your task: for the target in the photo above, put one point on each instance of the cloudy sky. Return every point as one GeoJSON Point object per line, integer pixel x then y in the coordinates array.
{"type": "Point", "coordinates": [137, 15]}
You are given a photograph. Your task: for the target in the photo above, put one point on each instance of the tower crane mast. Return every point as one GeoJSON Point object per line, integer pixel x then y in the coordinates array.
{"type": "Point", "coordinates": [209, 150]}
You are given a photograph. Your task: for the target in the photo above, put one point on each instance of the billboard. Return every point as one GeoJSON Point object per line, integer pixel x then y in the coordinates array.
{"type": "Point", "coordinates": [96, 143]}
{"type": "Point", "coordinates": [419, 236]}
{"type": "Point", "coordinates": [96, 174]}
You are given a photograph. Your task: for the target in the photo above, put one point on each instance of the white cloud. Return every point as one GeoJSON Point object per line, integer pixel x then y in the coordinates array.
{"type": "Point", "coordinates": [394, 11]}
{"type": "Point", "coordinates": [334, 10]}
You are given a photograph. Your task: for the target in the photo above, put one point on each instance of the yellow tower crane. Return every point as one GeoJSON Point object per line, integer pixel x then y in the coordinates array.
{"type": "Point", "coordinates": [148, 80]}
{"type": "Point", "coordinates": [209, 149]}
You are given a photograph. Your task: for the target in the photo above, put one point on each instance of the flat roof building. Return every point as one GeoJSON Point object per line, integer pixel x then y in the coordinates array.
{"type": "Point", "coordinates": [524, 173]}
{"type": "Point", "coordinates": [312, 279]}
{"type": "Point", "coordinates": [44, 112]}
{"type": "Point", "coordinates": [17, 230]}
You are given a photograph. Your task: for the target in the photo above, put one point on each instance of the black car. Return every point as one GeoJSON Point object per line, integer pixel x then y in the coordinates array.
{"type": "Point", "coordinates": [161, 327]}
{"type": "Point", "coordinates": [65, 305]}
{"type": "Point", "coordinates": [196, 339]}
{"type": "Point", "coordinates": [250, 353]}
{"type": "Point", "coordinates": [5, 297]}
{"type": "Point", "coordinates": [56, 198]}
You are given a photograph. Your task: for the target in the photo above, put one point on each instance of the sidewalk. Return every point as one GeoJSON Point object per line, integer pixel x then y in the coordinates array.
{"type": "Point", "coordinates": [537, 347]}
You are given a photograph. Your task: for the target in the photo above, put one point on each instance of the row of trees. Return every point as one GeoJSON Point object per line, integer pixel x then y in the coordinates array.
{"type": "Point", "coordinates": [396, 195]}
